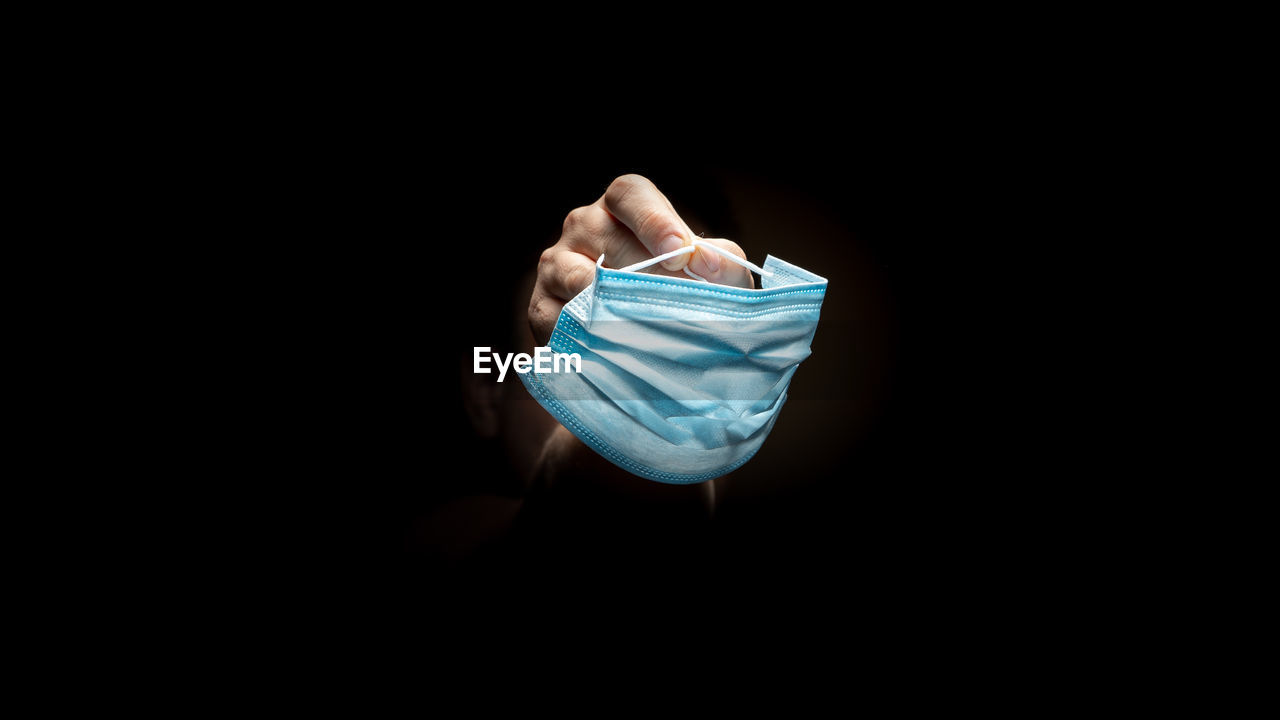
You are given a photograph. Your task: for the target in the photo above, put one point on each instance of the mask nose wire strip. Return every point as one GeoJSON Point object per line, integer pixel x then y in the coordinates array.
{"type": "Point", "coordinates": [697, 243]}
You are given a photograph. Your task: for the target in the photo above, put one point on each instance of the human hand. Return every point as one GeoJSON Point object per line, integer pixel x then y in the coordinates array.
{"type": "Point", "coordinates": [631, 222]}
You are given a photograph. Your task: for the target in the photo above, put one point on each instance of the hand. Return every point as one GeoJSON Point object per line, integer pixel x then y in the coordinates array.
{"type": "Point", "coordinates": [631, 222]}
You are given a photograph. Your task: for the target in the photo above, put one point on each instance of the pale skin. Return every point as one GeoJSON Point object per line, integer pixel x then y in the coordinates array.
{"type": "Point", "coordinates": [632, 221]}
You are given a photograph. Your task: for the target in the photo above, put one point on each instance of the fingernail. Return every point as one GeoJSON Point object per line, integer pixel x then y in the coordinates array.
{"type": "Point", "coordinates": [669, 243]}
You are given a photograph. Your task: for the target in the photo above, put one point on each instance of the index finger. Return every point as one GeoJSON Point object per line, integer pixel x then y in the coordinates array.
{"type": "Point", "coordinates": [637, 203]}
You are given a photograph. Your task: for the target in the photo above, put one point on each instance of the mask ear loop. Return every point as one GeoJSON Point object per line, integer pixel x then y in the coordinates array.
{"type": "Point", "coordinates": [697, 243]}
{"type": "Point", "coordinates": [652, 261]}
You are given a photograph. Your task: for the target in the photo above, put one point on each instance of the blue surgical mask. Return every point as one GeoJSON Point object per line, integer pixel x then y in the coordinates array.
{"type": "Point", "coordinates": [681, 380]}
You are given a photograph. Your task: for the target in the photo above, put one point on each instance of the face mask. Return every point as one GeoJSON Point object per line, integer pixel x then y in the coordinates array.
{"type": "Point", "coordinates": [680, 380]}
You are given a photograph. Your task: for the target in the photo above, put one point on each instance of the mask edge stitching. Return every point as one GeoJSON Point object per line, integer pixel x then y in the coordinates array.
{"type": "Point", "coordinates": [658, 302]}
{"type": "Point", "coordinates": [701, 288]}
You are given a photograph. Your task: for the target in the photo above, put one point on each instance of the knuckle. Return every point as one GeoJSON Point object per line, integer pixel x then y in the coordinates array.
{"type": "Point", "coordinates": [576, 218]}
{"type": "Point", "coordinates": [547, 262]}
{"type": "Point", "coordinates": [633, 179]}
{"type": "Point", "coordinates": [537, 311]}
{"type": "Point", "coordinates": [622, 186]}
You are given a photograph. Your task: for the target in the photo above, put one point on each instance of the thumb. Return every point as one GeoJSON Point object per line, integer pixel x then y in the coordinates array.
{"type": "Point", "coordinates": [637, 203]}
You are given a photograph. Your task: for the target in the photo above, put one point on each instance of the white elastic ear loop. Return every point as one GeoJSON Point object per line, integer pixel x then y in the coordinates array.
{"type": "Point", "coordinates": [728, 256]}
{"type": "Point", "coordinates": [654, 261]}
{"type": "Point", "coordinates": [697, 243]}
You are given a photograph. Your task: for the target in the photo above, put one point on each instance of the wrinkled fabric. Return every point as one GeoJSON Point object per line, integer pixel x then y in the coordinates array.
{"type": "Point", "coordinates": [681, 380]}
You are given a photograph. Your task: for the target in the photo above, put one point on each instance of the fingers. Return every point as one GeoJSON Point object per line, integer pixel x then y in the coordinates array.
{"type": "Point", "coordinates": [632, 222]}
{"type": "Point", "coordinates": [710, 265]}
{"type": "Point", "coordinates": [638, 204]}
{"type": "Point", "coordinates": [563, 273]}
{"type": "Point", "coordinates": [568, 267]}
{"type": "Point", "coordinates": [544, 310]}
{"type": "Point", "coordinates": [593, 232]}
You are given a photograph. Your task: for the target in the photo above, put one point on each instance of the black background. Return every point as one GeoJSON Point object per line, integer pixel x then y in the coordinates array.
{"type": "Point", "coordinates": [375, 249]}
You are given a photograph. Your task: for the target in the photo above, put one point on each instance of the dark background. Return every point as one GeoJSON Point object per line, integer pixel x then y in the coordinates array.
{"type": "Point", "coordinates": [896, 473]}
